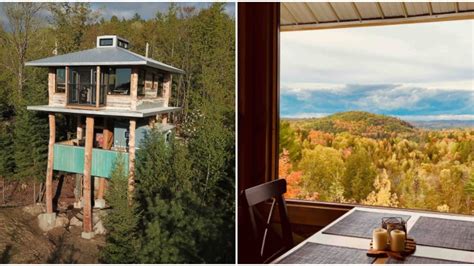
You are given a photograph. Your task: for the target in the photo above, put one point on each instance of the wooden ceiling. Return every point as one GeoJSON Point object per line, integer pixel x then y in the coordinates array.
{"type": "Point", "coordinates": [326, 15]}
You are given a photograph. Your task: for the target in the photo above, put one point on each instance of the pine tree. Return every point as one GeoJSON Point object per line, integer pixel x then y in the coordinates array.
{"type": "Point", "coordinates": [172, 223]}
{"type": "Point", "coordinates": [7, 162]}
{"type": "Point", "coordinates": [121, 222]}
{"type": "Point", "coordinates": [31, 146]}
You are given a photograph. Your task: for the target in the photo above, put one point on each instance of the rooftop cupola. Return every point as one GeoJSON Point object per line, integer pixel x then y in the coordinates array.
{"type": "Point", "coordinates": [108, 41]}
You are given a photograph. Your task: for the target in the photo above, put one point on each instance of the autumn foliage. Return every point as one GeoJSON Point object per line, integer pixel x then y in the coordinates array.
{"type": "Point", "coordinates": [364, 158]}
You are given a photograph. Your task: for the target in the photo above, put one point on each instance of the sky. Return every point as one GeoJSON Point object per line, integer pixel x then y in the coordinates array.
{"type": "Point", "coordinates": [146, 10]}
{"type": "Point", "coordinates": [419, 71]}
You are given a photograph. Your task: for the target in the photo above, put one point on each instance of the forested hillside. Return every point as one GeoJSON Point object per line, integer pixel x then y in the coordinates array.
{"type": "Point", "coordinates": [199, 41]}
{"type": "Point", "coordinates": [358, 157]}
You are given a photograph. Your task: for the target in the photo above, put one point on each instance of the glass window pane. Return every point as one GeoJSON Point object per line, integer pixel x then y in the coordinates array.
{"type": "Point", "coordinates": [60, 75]}
{"type": "Point", "coordinates": [121, 81]}
{"type": "Point", "coordinates": [106, 42]}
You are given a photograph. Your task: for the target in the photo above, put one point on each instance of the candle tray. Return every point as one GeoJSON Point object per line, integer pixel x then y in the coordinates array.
{"type": "Point", "coordinates": [410, 247]}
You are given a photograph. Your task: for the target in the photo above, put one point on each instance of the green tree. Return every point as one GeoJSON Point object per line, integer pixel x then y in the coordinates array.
{"type": "Point", "coordinates": [172, 225]}
{"type": "Point", "coordinates": [289, 141]}
{"type": "Point", "coordinates": [122, 242]}
{"type": "Point", "coordinates": [70, 22]}
{"type": "Point", "coordinates": [359, 176]}
{"type": "Point", "coordinates": [7, 162]}
{"type": "Point", "coordinates": [31, 146]}
{"type": "Point", "coordinates": [322, 167]}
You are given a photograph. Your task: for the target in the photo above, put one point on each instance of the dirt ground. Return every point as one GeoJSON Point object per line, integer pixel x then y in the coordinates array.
{"type": "Point", "coordinates": [22, 241]}
{"type": "Point", "coordinates": [13, 193]}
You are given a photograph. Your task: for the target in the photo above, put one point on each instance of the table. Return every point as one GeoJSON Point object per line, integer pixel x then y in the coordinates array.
{"type": "Point", "coordinates": [362, 243]}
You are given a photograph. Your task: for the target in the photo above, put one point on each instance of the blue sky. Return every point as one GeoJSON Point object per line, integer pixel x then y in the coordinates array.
{"type": "Point", "coordinates": [416, 71]}
{"type": "Point", "coordinates": [146, 10]}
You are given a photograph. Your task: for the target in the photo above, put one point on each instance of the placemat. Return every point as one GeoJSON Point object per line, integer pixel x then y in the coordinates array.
{"type": "Point", "coordinates": [443, 233]}
{"type": "Point", "coordinates": [360, 224]}
{"type": "Point", "coordinates": [421, 260]}
{"type": "Point", "coordinates": [313, 253]}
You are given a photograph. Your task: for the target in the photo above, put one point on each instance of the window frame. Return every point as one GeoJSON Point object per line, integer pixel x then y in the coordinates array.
{"type": "Point", "coordinates": [141, 87]}
{"type": "Point", "coordinates": [56, 83]}
{"type": "Point", "coordinates": [107, 86]}
{"type": "Point", "coordinates": [104, 42]}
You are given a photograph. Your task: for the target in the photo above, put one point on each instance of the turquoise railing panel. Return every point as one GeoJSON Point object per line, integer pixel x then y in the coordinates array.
{"type": "Point", "coordinates": [68, 158]}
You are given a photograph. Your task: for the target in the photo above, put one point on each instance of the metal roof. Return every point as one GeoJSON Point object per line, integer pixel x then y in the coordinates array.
{"type": "Point", "coordinates": [105, 112]}
{"type": "Point", "coordinates": [113, 56]}
{"type": "Point", "coordinates": [326, 15]}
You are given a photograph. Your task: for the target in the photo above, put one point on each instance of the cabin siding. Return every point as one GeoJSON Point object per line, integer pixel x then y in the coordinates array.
{"type": "Point", "coordinates": [58, 99]}
{"type": "Point", "coordinates": [118, 101]}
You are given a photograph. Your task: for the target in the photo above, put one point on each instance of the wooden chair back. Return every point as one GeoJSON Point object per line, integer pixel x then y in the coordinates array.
{"type": "Point", "coordinates": [274, 191]}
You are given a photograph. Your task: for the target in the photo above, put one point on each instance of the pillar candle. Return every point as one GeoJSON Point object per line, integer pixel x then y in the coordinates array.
{"type": "Point", "coordinates": [379, 239]}
{"type": "Point", "coordinates": [397, 242]}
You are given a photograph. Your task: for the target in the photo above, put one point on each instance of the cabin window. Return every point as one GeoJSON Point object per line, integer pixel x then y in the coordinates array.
{"type": "Point", "coordinates": [106, 42]}
{"type": "Point", "coordinates": [122, 44]}
{"type": "Point", "coordinates": [82, 85]}
{"type": "Point", "coordinates": [60, 80]}
{"type": "Point", "coordinates": [153, 79]}
{"type": "Point", "coordinates": [141, 82]}
{"type": "Point", "coordinates": [160, 85]}
{"type": "Point", "coordinates": [116, 81]}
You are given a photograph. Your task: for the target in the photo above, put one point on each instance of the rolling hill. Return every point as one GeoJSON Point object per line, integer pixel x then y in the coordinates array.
{"type": "Point", "coordinates": [357, 123]}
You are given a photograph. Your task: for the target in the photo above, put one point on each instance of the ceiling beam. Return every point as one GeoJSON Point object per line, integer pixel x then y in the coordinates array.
{"type": "Point", "coordinates": [356, 10]}
{"type": "Point", "coordinates": [334, 11]}
{"type": "Point", "coordinates": [312, 12]}
{"type": "Point", "coordinates": [379, 8]}
{"type": "Point", "coordinates": [405, 11]}
{"type": "Point", "coordinates": [430, 7]}
{"type": "Point", "coordinates": [291, 13]}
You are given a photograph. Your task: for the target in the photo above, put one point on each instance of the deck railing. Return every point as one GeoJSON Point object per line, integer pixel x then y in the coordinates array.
{"type": "Point", "coordinates": [68, 158]}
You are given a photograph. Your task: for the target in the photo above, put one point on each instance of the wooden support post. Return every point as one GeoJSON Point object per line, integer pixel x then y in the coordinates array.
{"type": "Point", "coordinates": [167, 82]}
{"type": "Point", "coordinates": [134, 89]}
{"type": "Point", "coordinates": [164, 118]}
{"type": "Point", "coordinates": [66, 85]}
{"type": "Point", "coordinates": [80, 131]}
{"type": "Point", "coordinates": [97, 88]}
{"type": "Point", "coordinates": [107, 145]}
{"type": "Point", "coordinates": [51, 84]}
{"type": "Point", "coordinates": [131, 160]}
{"type": "Point", "coordinates": [49, 171]}
{"type": "Point", "coordinates": [87, 210]}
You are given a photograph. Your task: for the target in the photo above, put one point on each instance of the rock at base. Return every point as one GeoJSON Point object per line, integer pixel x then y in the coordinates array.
{"type": "Point", "coordinates": [61, 221]}
{"type": "Point", "coordinates": [99, 228]}
{"type": "Point", "coordinates": [99, 203]}
{"type": "Point", "coordinates": [87, 235]}
{"type": "Point", "coordinates": [78, 205]}
{"type": "Point", "coordinates": [47, 221]}
{"type": "Point", "coordinates": [75, 222]}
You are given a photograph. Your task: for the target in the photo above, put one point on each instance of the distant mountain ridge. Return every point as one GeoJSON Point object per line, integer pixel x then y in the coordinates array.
{"type": "Point", "coordinates": [357, 123]}
{"type": "Point", "coordinates": [443, 124]}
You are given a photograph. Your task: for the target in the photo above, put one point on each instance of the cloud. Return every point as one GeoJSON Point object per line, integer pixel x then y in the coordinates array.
{"type": "Point", "coordinates": [418, 53]}
{"type": "Point", "coordinates": [404, 70]}
{"type": "Point", "coordinates": [390, 99]}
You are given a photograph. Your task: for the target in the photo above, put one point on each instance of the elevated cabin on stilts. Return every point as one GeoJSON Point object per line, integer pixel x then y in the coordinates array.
{"type": "Point", "coordinates": [115, 96]}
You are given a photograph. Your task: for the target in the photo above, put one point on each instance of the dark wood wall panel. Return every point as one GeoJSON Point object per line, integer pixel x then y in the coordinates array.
{"type": "Point", "coordinates": [258, 71]}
